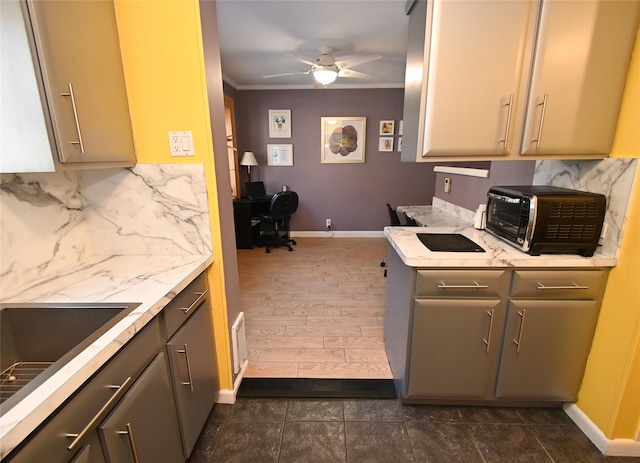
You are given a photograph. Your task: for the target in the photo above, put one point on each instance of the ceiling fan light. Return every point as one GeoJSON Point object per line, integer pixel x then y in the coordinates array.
{"type": "Point", "coordinates": [325, 76]}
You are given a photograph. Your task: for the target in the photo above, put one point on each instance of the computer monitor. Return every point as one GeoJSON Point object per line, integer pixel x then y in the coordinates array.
{"type": "Point", "coordinates": [254, 189]}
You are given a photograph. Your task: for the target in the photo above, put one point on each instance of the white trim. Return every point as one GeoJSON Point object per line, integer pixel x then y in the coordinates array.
{"type": "Point", "coordinates": [468, 171]}
{"type": "Point", "coordinates": [608, 447]}
{"type": "Point", "coordinates": [337, 234]}
{"type": "Point", "coordinates": [228, 396]}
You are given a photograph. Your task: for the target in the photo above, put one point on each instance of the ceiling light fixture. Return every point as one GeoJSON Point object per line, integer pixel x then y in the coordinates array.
{"type": "Point", "coordinates": [325, 75]}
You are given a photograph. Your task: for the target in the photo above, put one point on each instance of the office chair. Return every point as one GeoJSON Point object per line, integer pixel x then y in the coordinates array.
{"type": "Point", "coordinates": [282, 205]}
{"type": "Point", "coordinates": [394, 220]}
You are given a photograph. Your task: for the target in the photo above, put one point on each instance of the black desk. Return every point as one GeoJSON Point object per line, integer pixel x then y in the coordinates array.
{"type": "Point", "coordinates": [244, 210]}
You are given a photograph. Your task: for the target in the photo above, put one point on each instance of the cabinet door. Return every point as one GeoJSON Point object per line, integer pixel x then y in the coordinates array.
{"type": "Point", "coordinates": [455, 345]}
{"type": "Point", "coordinates": [79, 52]}
{"type": "Point", "coordinates": [580, 65]}
{"type": "Point", "coordinates": [545, 351]}
{"type": "Point", "coordinates": [474, 67]}
{"type": "Point", "coordinates": [25, 144]}
{"type": "Point", "coordinates": [194, 374]}
{"type": "Point", "coordinates": [143, 426]}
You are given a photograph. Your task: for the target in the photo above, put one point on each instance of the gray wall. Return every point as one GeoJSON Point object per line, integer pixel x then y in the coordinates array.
{"type": "Point", "coordinates": [469, 192]}
{"type": "Point", "coordinates": [353, 196]}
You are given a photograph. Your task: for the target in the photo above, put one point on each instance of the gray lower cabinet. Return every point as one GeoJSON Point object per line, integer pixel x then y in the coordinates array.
{"type": "Point", "coordinates": [71, 434]}
{"type": "Point", "coordinates": [545, 349]}
{"type": "Point", "coordinates": [194, 374]}
{"type": "Point", "coordinates": [489, 335]}
{"type": "Point", "coordinates": [454, 346]}
{"type": "Point", "coordinates": [143, 426]}
{"type": "Point", "coordinates": [148, 404]}
{"type": "Point", "coordinates": [551, 319]}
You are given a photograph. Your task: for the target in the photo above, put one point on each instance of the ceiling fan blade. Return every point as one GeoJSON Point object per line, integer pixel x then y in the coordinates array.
{"type": "Point", "coordinates": [356, 61]}
{"type": "Point", "coordinates": [287, 74]}
{"type": "Point", "coordinates": [302, 60]}
{"type": "Point", "coordinates": [355, 74]}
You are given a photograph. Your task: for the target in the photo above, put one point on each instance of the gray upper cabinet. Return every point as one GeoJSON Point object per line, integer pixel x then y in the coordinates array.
{"type": "Point", "coordinates": [580, 65]}
{"type": "Point", "coordinates": [70, 72]}
{"type": "Point", "coordinates": [498, 80]}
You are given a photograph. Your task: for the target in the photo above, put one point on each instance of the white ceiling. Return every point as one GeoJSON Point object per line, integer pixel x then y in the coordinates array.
{"type": "Point", "coordinates": [255, 36]}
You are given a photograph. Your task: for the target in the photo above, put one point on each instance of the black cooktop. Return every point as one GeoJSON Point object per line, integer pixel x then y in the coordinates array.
{"type": "Point", "coordinates": [448, 242]}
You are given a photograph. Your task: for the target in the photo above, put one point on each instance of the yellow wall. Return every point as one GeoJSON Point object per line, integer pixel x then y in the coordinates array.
{"type": "Point", "coordinates": [610, 394]}
{"type": "Point", "coordinates": [162, 52]}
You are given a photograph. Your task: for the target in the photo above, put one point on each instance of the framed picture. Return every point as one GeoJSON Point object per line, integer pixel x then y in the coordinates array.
{"type": "Point", "coordinates": [279, 123]}
{"type": "Point", "coordinates": [385, 144]}
{"type": "Point", "coordinates": [279, 155]}
{"type": "Point", "coordinates": [343, 139]}
{"type": "Point", "coordinates": [400, 127]}
{"type": "Point", "coordinates": [387, 127]}
{"type": "Point", "coordinates": [399, 143]}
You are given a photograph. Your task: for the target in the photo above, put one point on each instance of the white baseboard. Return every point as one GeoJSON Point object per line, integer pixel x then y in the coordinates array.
{"type": "Point", "coordinates": [337, 234]}
{"type": "Point", "coordinates": [228, 396]}
{"type": "Point", "coordinates": [608, 447]}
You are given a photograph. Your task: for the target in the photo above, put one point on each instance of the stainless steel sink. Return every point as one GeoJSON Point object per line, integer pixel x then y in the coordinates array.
{"type": "Point", "coordinates": [36, 340]}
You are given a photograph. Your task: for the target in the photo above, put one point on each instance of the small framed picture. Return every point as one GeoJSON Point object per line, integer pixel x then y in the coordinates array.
{"type": "Point", "coordinates": [385, 144]}
{"type": "Point", "coordinates": [279, 155]}
{"type": "Point", "coordinates": [387, 127]}
{"type": "Point", "coordinates": [399, 144]}
{"type": "Point", "coordinates": [400, 127]}
{"type": "Point", "coordinates": [279, 123]}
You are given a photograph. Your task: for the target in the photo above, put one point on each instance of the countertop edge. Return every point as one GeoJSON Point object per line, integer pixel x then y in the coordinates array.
{"type": "Point", "coordinates": [498, 253]}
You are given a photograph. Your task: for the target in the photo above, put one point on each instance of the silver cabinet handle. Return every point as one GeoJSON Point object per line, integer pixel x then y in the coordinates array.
{"type": "Point", "coordinates": [488, 340]}
{"type": "Point", "coordinates": [132, 442]}
{"type": "Point", "coordinates": [185, 351]}
{"type": "Point", "coordinates": [506, 129]}
{"type": "Point", "coordinates": [542, 287]}
{"type": "Point", "coordinates": [518, 341]}
{"type": "Point", "coordinates": [186, 310]}
{"type": "Point", "coordinates": [75, 116]}
{"type": "Point", "coordinates": [119, 390]}
{"type": "Point", "coordinates": [544, 108]}
{"type": "Point", "coordinates": [475, 285]}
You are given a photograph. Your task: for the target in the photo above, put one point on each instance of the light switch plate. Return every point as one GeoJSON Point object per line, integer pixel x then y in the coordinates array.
{"type": "Point", "coordinates": [181, 143]}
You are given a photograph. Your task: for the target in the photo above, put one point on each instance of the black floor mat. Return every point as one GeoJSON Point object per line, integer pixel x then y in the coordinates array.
{"type": "Point", "coordinates": [448, 242]}
{"type": "Point", "coordinates": [309, 388]}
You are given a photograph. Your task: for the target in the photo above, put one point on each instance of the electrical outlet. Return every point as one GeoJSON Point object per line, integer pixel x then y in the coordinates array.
{"type": "Point", "coordinates": [181, 143]}
{"type": "Point", "coordinates": [447, 185]}
{"type": "Point", "coordinates": [327, 224]}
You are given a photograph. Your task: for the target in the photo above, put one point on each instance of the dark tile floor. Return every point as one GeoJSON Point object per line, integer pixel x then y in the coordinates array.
{"type": "Point", "coordinates": [383, 430]}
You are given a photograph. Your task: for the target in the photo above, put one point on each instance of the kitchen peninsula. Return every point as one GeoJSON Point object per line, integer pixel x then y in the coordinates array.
{"type": "Point", "coordinates": [495, 327]}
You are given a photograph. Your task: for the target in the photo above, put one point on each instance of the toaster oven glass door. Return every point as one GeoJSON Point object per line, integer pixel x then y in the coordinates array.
{"type": "Point", "coordinates": [505, 216]}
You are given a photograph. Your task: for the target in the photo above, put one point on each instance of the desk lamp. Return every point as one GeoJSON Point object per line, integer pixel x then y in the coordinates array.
{"type": "Point", "coordinates": [248, 159]}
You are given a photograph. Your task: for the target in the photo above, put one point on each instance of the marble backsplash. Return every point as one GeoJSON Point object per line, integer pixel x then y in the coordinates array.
{"type": "Point", "coordinates": [611, 177]}
{"type": "Point", "coordinates": [50, 221]}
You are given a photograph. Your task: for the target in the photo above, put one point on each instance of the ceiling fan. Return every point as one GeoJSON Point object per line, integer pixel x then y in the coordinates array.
{"type": "Point", "coordinates": [326, 69]}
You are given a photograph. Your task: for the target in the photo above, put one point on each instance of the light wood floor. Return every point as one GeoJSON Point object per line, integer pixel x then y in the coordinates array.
{"type": "Point", "coordinates": [316, 312]}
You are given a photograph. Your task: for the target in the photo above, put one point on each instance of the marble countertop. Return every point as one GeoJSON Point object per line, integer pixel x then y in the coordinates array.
{"type": "Point", "coordinates": [433, 216]}
{"type": "Point", "coordinates": [498, 253]}
{"type": "Point", "coordinates": [152, 281]}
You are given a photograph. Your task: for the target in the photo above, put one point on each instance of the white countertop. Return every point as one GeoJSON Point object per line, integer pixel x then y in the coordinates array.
{"type": "Point", "coordinates": [498, 253]}
{"type": "Point", "coordinates": [432, 216]}
{"type": "Point", "coordinates": [151, 281]}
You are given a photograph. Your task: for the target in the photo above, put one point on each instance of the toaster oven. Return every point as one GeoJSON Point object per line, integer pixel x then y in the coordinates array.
{"type": "Point", "coordinates": [541, 219]}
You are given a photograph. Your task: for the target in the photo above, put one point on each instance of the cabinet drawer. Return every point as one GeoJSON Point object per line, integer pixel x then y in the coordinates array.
{"type": "Point", "coordinates": [476, 284]}
{"type": "Point", "coordinates": [51, 443]}
{"type": "Point", "coordinates": [184, 304]}
{"type": "Point", "coordinates": [558, 284]}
